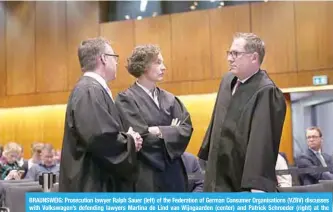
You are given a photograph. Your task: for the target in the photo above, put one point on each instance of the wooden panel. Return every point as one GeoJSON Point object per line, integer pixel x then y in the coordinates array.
{"type": "Point", "coordinates": [285, 80]}
{"type": "Point", "coordinates": [51, 46]}
{"type": "Point", "coordinates": [304, 78]}
{"type": "Point", "coordinates": [156, 31]}
{"type": "Point", "coordinates": [2, 49]}
{"type": "Point", "coordinates": [82, 23]}
{"type": "Point", "coordinates": [274, 23]}
{"type": "Point", "coordinates": [314, 30]}
{"type": "Point", "coordinates": [34, 99]}
{"type": "Point", "coordinates": [224, 23]}
{"type": "Point", "coordinates": [20, 47]}
{"type": "Point", "coordinates": [190, 52]}
{"type": "Point", "coordinates": [192, 87]}
{"type": "Point", "coordinates": [121, 36]}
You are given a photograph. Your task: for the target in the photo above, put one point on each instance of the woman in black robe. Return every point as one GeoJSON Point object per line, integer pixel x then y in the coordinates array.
{"type": "Point", "coordinates": [162, 121]}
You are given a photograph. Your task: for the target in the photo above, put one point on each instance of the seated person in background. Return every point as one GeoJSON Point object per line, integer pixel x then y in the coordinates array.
{"type": "Point", "coordinates": [23, 163]}
{"type": "Point", "coordinates": [192, 166]}
{"type": "Point", "coordinates": [283, 180]}
{"type": "Point", "coordinates": [1, 150]}
{"type": "Point", "coordinates": [36, 149]}
{"type": "Point", "coordinates": [314, 158]}
{"type": "Point", "coordinates": [57, 156]}
{"type": "Point", "coordinates": [9, 168]}
{"type": "Point", "coordinates": [47, 164]}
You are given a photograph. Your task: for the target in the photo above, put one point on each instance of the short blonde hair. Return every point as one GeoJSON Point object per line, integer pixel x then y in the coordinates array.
{"type": "Point", "coordinates": [36, 147]}
{"type": "Point", "coordinates": [253, 44]}
{"type": "Point", "coordinates": [12, 147]}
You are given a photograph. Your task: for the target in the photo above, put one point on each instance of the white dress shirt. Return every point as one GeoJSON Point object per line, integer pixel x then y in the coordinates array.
{"type": "Point", "coordinates": [320, 157]}
{"type": "Point", "coordinates": [239, 82]}
{"type": "Point", "coordinates": [283, 180]}
{"type": "Point", "coordinates": [152, 94]}
{"type": "Point", "coordinates": [100, 80]}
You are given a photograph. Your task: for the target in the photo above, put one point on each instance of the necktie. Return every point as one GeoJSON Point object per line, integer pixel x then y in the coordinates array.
{"type": "Point", "coordinates": [153, 93]}
{"type": "Point", "coordinates": [236, 86]}
{"type": "Point", "coordinates": [109, 92]}
{"type": "Point", "coordinates": [321, 158]}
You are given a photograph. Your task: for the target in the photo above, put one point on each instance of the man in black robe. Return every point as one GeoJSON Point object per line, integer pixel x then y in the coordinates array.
{"type": "Point", "coordinates": [97, 156]}
{"type": "Point", "coordinates": [242, 141]}
{"type": "Point", "coordinates": [162, 121]}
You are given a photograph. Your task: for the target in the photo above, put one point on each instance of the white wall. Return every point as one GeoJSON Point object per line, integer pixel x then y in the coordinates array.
{"type": "Point", "coordinates": [324, 114]}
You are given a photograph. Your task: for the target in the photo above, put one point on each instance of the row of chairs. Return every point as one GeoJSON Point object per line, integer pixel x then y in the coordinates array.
{"type": "Point", "coordinates": [322, 186]}
{"type": "Point", "coordinates": [12, 192]}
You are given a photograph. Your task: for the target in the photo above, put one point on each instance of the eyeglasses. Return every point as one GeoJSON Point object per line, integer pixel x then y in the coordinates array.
{"type": "Point", "coordinates": [235, 54]}
{"type": "Point", "coordinates": [314, 136]}
{"type": "Point", "coordinates": [113, 55]}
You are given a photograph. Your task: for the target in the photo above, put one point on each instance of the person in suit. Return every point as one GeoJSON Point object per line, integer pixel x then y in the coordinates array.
{"type": "Point", "coordinates": [314, 157]}
{"type": "Point", "coordinates": [194, 170]}
{"type": "Point", "coordinates": [47, 164]}
{"type": "Point", "coordinates": [242, 141]}
{"type": "Point", "coordinates": [97, 153]}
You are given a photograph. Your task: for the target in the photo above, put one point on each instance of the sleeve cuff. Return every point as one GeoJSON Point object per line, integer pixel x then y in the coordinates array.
{"type": "Point", "coordinates": [260, 183]}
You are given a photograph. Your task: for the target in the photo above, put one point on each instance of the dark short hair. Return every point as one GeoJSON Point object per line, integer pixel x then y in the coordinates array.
{"type": "Point", "coordinates": [89, 50]}
{"type": "Point", "coordinates": [141, 58]}
{"type": "Point", "coordinates": [317, 129]}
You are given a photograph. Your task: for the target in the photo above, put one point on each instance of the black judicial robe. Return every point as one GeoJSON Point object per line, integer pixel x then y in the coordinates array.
{"type": "Point", "coordinates": [96, 155]}
{"type": "Point", "coordinates": [161, 168]}
{"type": "Point", "coordinates": [242, 141]}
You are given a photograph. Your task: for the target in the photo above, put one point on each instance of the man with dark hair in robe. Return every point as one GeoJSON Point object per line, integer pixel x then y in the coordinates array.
{"type": "Point", "coordinates": [243, 138]}
{"type": "Point", "coordinates": [162, 121]}
{"type": "Point", "coordinates": [97, 154]}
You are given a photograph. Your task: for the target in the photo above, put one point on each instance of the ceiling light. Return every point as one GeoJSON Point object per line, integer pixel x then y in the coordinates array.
{"type": "Point", "coordinates": [143, 5]}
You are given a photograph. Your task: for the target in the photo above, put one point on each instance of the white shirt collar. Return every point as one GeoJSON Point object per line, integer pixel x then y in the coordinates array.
{"type": "Point", "coordinates": [316, 152]}
{"type": "Point", "coordinates": [100, 80]}
{"type": "Point", "coordinates": [150, 93]}
{"type": "Point", "coordinates": [145, 89]}
{"type": "Point", "coordinates": [97, 77]}
{"type": "Point", "coordinates": [244, 80]}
